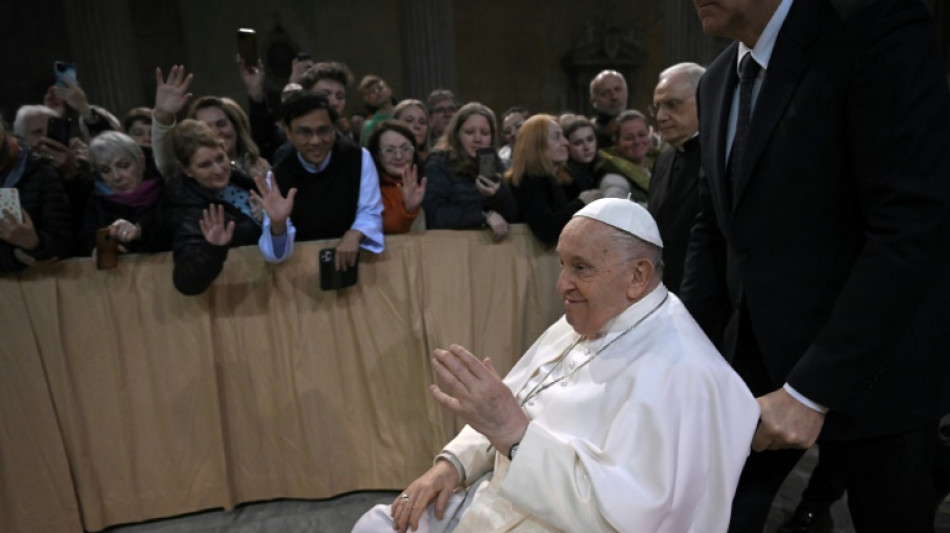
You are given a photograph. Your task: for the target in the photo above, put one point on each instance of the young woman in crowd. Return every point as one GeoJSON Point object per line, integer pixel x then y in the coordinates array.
{"type": "Point", "coordinates": [224, 115]}
{"type": "Point", "coordinates": [624, 167]}
{"type": "Point", "coordinates": [394, 149]}
{"type": "Point", "coordinates": [457, 195]}
{"type": "Point", "coordinates": [231, 124]}
{"type": "Point", "coordinates": [209, 207]}
{"type": "Point", "coordinates": [541, 183]}
{"type": "Point", "coordinates": [413, 114]}
{"type": "Point", "coordinates": [581, 150]}
{"type": "Point", "coordinates": [131, 206]}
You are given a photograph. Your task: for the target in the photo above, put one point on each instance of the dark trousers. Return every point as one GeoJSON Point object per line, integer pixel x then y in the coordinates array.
{"type": "Point", "coordinates": [824, 488]}
{"type": "Point", "coordinates": [889, 479]}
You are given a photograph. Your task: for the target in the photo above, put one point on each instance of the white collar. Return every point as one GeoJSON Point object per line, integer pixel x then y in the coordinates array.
{"type": "Point", "coordinates": [635, 312]}
{"type": "Point", "coordinates": [762, 52]}
{"type": "Point", "coordinates": [310, 167]}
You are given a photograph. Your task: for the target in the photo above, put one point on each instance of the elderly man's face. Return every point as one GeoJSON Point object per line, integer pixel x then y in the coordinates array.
{"type": "Point", "coordinates": [35, 129]}
{"type": "Point", "coordinates": [595, 282]}
{"type": "Point", "coordinates": [674, 105]}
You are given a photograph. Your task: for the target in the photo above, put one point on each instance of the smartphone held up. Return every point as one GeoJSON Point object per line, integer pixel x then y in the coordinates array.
{"type": "Point", "coordinates": [64, 71]}
{"type": "Point", "coordinates": [247, 46]}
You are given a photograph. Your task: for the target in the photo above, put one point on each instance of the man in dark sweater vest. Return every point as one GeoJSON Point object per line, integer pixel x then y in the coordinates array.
{"type": "Point", "coordinates": [332, 189]}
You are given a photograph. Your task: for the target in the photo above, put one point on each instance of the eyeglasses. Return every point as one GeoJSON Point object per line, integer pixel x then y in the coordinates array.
{"type": "Point", "coordinates": [306, 133]}
{"type": "Point", "coordinates": [390, 152]}
{"type": "Point", "coordinates": [444, 110]}
{"type": "Point", "coordinates": [375, 87]}
{"type": "Point", "coordinates": [673, 105]}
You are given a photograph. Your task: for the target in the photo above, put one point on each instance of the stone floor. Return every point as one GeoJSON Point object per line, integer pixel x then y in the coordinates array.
{"type": "Point", "coordinates": [337, 515]}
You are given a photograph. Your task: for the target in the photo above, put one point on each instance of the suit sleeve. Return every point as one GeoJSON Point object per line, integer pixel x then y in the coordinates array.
{"type": "Point", "coordinates": [899, 123]}
{"type": "Point", "coordinates": [703, 290]}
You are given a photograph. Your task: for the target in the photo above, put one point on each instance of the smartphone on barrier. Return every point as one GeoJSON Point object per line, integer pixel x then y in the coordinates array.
{"type": "Point", "coordinates": [107, 249]}
{"type": "Point", "coordinates": [247, 46]}
{"type": "Point", "coordinates": [10, 203]}
{"type": "Point", "coordinates": [58, 129]}
{"type": "Point", "coordinates": [332, 279]}
{"type": "Point", "coordinates": [486, 158]}
{"type": "Point", "coordinates": [64, 71]}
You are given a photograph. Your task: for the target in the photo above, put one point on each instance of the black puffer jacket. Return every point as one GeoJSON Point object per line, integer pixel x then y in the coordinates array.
{"type": "Point", "coordinates": [198, 262]}
{"type": "Point", "coordinates": [42, 196]}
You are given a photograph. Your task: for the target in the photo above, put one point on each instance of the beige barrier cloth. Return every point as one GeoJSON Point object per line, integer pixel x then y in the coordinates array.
{"type": "Point", "coordinates": [123, 400]}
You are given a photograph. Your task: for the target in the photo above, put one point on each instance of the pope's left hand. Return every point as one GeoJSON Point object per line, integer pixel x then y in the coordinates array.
{"type": "Point", "coordinates": [476, 393]}
{"type": "Point", "coordinates": [785, 423]}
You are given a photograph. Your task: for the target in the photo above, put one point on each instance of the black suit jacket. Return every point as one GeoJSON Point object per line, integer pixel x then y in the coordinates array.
{"type": "Point", "coordinates": [836, 241]}
{"type": "Point", "coordinates": [673, 200]}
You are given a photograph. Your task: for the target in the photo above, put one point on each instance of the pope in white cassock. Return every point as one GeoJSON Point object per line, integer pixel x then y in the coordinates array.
{"type": "Point", "coordinates": [621, 417]}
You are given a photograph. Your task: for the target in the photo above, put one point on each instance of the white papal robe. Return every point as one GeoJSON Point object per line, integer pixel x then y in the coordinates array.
{"type": "Point", "coordinates": [648, 437]}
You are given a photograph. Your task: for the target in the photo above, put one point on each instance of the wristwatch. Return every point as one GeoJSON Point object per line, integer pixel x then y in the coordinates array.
{"type": "Point", "coordinates": [513, 450]}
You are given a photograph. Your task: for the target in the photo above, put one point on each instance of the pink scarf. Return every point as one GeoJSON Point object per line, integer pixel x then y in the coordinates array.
{"type": "Point", "coordinates": [147, 193]}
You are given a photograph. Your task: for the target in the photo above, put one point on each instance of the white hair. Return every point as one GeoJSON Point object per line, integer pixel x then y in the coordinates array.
{"type": "Point", "coordinates": [27, 112]}
{"type": "Point", "coordinates": [692, 71]}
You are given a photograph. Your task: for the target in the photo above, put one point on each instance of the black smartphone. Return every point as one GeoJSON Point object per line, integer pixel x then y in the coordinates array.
{"type": "Point", "coordinates": [486, 158]}
{"type": "Point", "coordinates": [332, 279]}
{"type": "Point", "coordinates": [58, 129]}
{"type": "Point", "coordinates": [64, 70]}
{"type": "Point", "coordinates": [247, 46]}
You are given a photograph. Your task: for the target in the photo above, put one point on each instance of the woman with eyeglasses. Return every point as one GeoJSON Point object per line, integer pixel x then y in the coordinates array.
{"type": "Point", "coordinates": [395, 152]}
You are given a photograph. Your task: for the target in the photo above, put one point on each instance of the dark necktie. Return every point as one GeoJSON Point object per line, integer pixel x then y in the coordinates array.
{"type": "Point", "coordinates": [748, 70]}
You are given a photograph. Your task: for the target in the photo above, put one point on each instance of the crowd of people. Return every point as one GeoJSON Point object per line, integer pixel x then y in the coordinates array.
{"type": "Point", "coordinates": [787, 231]}
{"type": "Point", "coordinates": [198, 175]}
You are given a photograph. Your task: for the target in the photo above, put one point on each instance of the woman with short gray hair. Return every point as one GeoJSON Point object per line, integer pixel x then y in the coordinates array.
{"type": "Point", "coordinates": [123, 200]}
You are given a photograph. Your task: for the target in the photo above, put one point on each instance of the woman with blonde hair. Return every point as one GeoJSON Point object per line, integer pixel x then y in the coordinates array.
{"type": "Point", "coordinates": [413, 114]}
{"type": "Point", "coordinates": [223, 115]}
{"type": "Point", "coordinates": [541, 183]}
{"type": "Point", "coordinates": [209, 207]}
{"type": "Point", "coordinates": [459, 195]}
{"type": "Point", "coordinates": [230, 122]}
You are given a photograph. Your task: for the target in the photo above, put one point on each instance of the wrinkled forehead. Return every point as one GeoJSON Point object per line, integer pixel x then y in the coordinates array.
{"type": "Point", "coordinates": [584, 236]}
{"type": "Point", "coordinates": [608, 80]}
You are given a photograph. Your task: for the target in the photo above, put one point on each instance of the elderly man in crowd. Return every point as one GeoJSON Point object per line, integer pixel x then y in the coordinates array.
{"type": "Point", "coordinates": [622, 416]}
{"type": "Point", "coordinates": [674, 187]}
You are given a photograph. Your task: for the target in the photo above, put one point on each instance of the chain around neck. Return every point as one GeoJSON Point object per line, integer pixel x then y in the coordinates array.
{"type": "Point", "coordinates": [544, 384]}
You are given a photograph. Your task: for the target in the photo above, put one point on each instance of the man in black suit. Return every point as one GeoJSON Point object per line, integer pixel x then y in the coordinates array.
{"type": "Point", "coordinates": [826, 231]}
{"type": "Point", "coordinates": [673, 195]}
